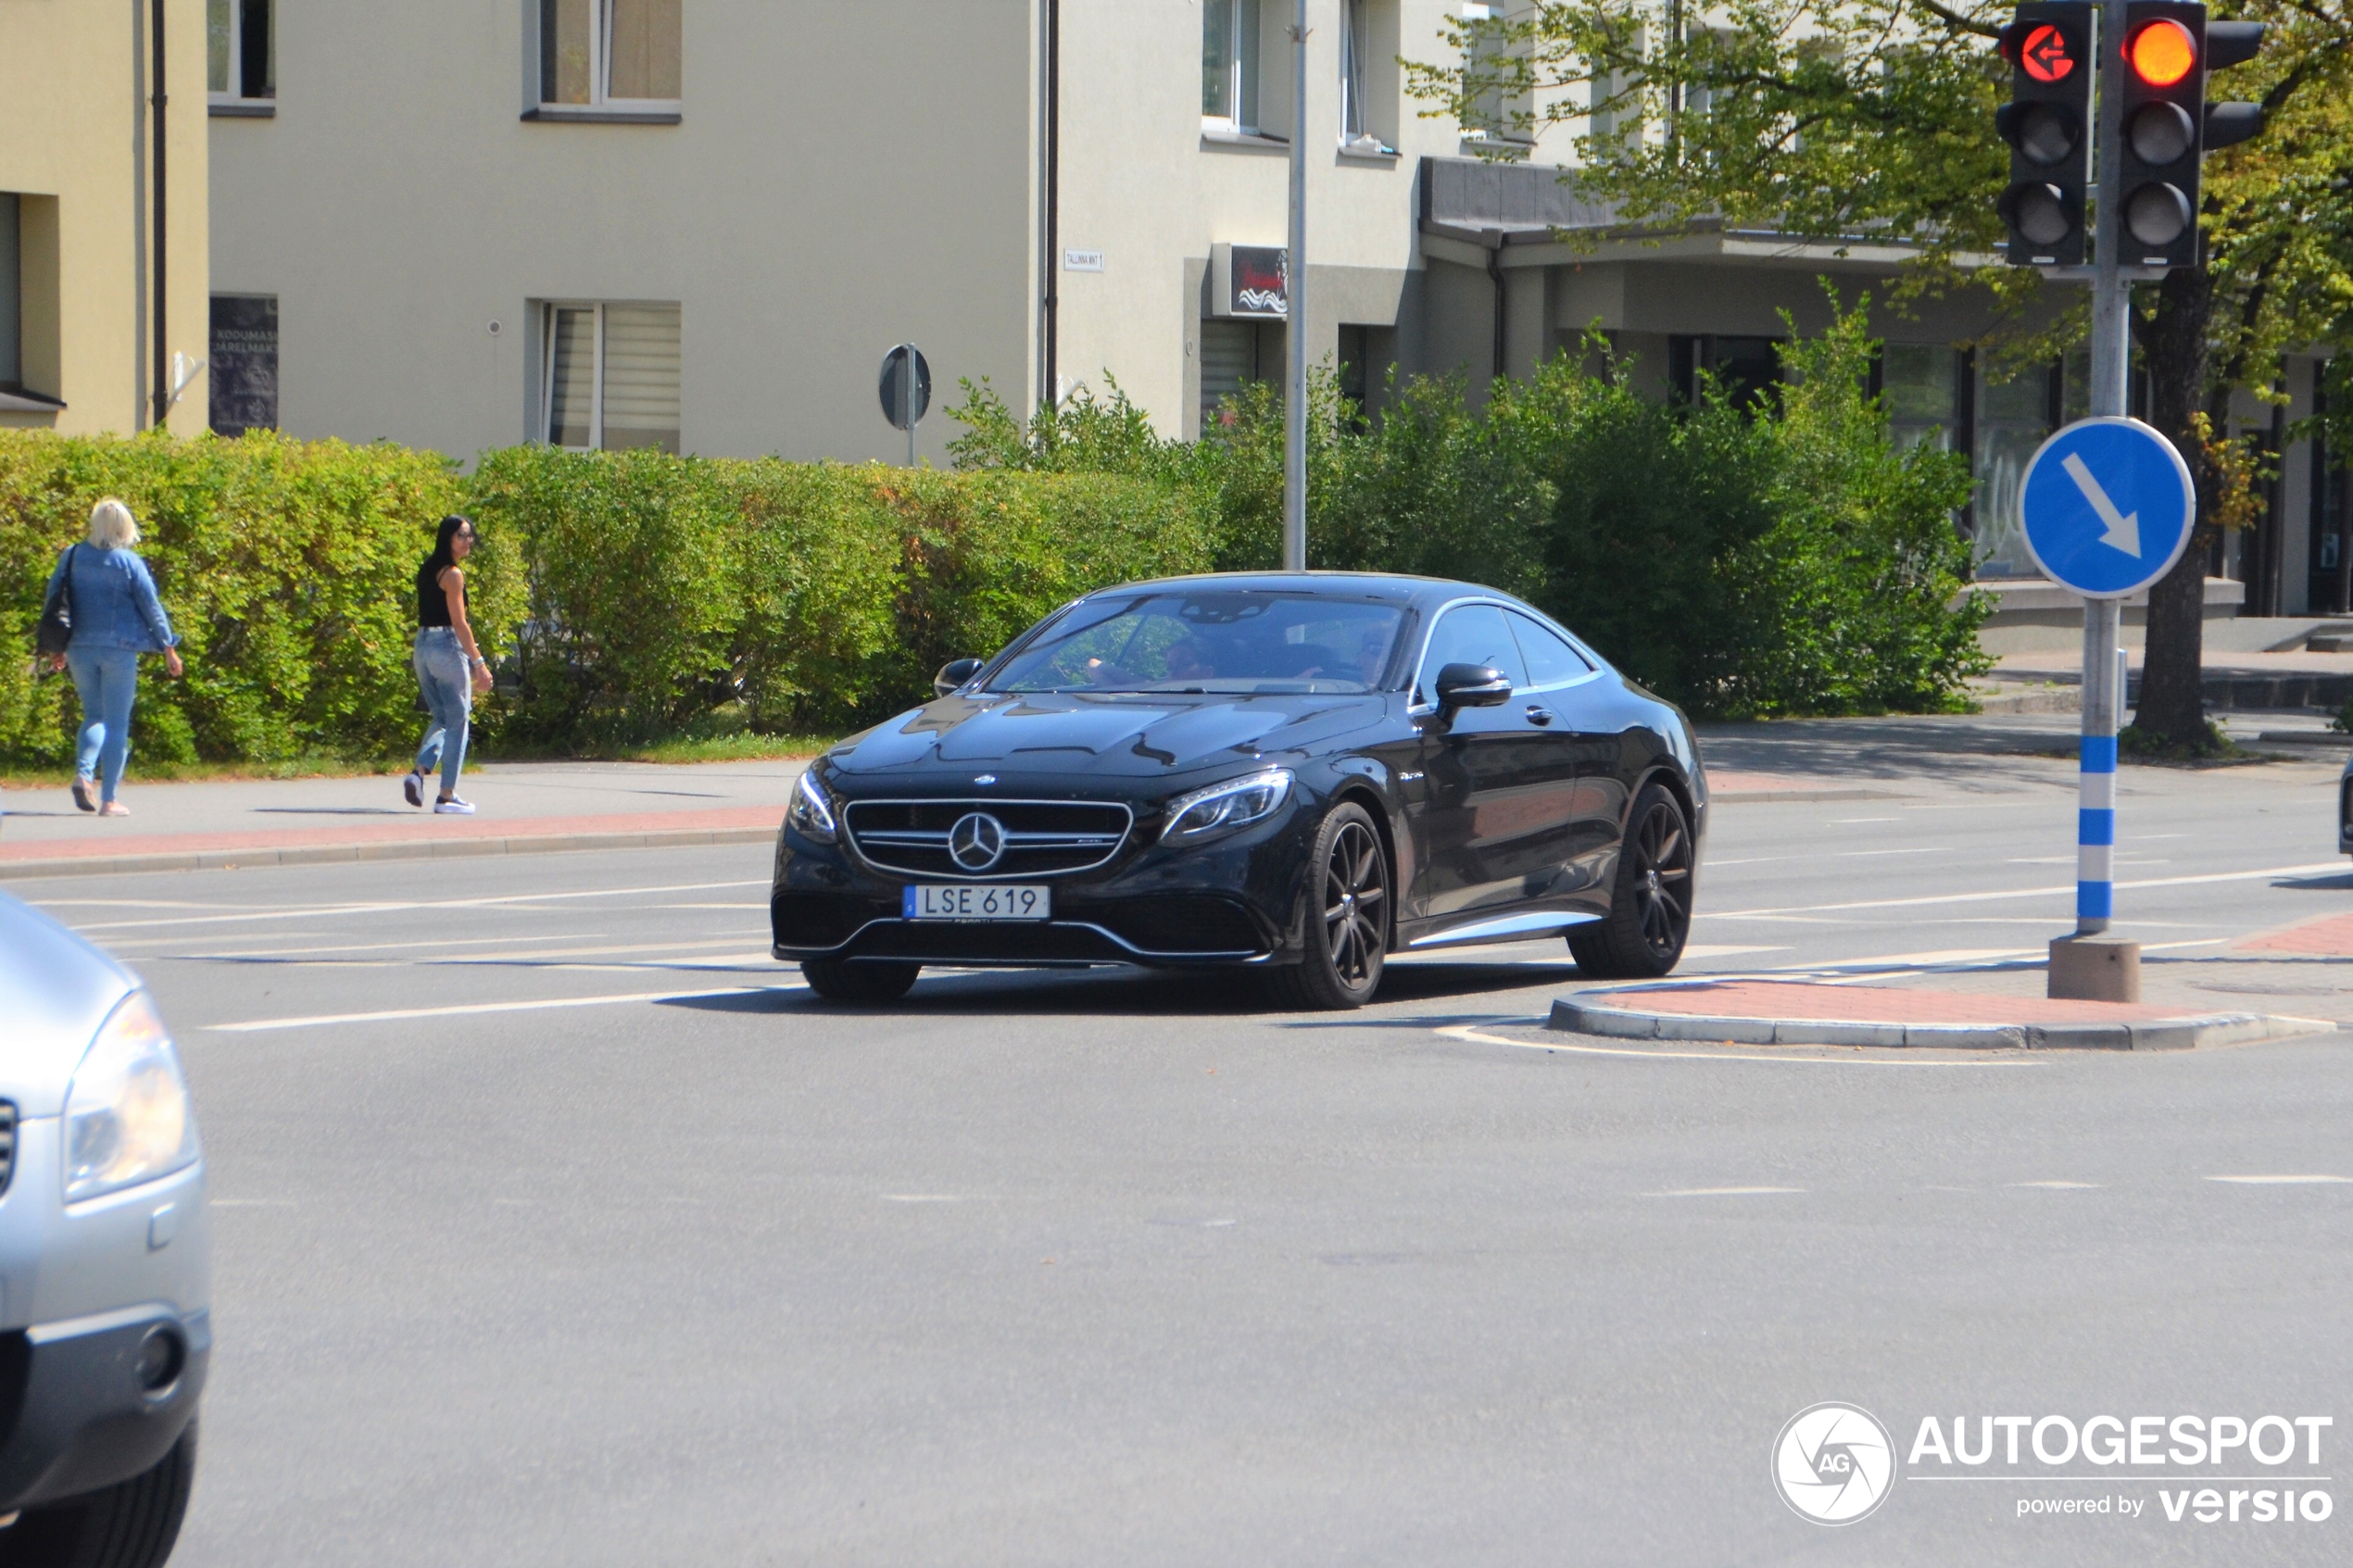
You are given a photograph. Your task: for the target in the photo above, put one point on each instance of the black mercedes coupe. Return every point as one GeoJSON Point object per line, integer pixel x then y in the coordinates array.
{"type": "Point", "coordinates": [1299, 773]}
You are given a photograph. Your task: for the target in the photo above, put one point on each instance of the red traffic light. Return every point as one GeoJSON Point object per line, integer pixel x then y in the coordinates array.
{"type": "Point", "coordinates": [2162, 53]}
{"type": "Point", "coordinates": [2044, 55]}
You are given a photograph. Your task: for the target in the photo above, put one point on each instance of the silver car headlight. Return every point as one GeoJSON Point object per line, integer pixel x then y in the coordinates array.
{"type": "Point", "coordinates": [128, 1119]}
{"type": "Point", "coordinates": [1220, 808]}
{"type": "Point", "coordinates": [811, 814]}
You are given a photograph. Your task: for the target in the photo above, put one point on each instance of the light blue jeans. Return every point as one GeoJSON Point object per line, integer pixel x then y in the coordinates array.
{"type": "Point", "coordinates": [447, 682]}
{"type": "Point", "coordinates": [108, 680]}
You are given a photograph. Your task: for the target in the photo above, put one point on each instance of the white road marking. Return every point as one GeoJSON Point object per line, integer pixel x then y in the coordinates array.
{"type": "Point", "coordinates": [399, 1014]}
{"type": "Point", "coordinates": [1473, 1031]}
{"type": "Point", "coordinates": [2062, 889]}
{"type": "Point", "coordinates": [1720, 1192]}
{"type": "Point", "coordinates": [321, 912]}
{"type": "Point", "coordinates": [353, 947]}
{"type": "Point", "coordinates": [2282, 1181]}
{"type": "Point", "coordinates": [1851, 822]}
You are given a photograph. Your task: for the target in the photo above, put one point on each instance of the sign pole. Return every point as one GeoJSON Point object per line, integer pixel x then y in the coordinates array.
{"type": "Point", "coordinates": [1295, 312]}
{"type": "Point", "coordinates": [912, 417]}
{"type": "Point", "coordinates": [2118, 973]}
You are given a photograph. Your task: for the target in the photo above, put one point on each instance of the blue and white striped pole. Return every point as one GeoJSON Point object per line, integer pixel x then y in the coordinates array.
{"type": "Point", "coordinates": [2095, 805]}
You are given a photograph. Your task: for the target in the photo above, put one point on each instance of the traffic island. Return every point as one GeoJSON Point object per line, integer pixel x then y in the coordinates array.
{"type": "Point", "coordinates": [1783, 1012]}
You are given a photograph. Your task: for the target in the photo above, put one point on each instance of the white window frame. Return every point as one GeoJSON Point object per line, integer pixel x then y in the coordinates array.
{"type": "Point", "coordinates": [1243, 122]}
{"type": "Point", "coordinates": [1356, 123]}
{"type": "Point", "coordinates": [1503, 133]}
{"type": "Point", "coordinates": [596, 374]}
{"type": "Point", "coordinates": [236, 92]}
{"type": "Point", "coordinates": [600, 64]}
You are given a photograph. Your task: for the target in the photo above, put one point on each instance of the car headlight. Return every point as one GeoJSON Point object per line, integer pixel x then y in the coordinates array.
{"type": "Point", "coordinates": [128, 1119]}
{"type": "Point", "coordinates": [811, 814]}
{"type": "Point", "coordinates": [1235, 803]}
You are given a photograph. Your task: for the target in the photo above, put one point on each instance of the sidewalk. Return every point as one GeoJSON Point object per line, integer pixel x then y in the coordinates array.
{"type": "Point", "coordinates": [523, 807]}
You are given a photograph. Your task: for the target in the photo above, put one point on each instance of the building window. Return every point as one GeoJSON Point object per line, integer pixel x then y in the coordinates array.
{"type": "Point", "coordinates": [11, 295]}
{"type": "Point", "coordinates": [1230, 50]}
{"type": "Point", "coordinates": [1233, 355]}
{"type": "Point", "coordinates": [1492, 68]}
{"type": "Point", "coordinates": [1921, 387]}
{"type": "Point", "coordinates": [609, 380]}
{"type": "Point", "coordinates": [598, 52]}
{"type": "Point", "coordinates": [241, 50]}
{"type": "Point", "coordinates": [245, 363]}
{"type": "Point", "coordinates": [1368, 83]}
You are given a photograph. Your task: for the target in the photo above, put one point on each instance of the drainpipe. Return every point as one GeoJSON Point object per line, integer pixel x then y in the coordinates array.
{"type": "Point", "coordinates": [162, 339]}
{"type": "Point", "coordinates": [1495, 277]}
{"type": "Point", "coordinates": [1052, 389]}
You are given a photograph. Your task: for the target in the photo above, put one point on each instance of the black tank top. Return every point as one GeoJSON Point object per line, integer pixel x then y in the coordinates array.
{"type": "Point", "coordinates": [432, 604]}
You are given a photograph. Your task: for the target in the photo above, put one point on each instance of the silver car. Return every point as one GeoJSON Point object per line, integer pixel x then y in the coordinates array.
{"type": "Point", "coordinates": [105, 1266]}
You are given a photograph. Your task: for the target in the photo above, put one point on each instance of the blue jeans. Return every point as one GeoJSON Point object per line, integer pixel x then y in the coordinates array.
{"type": "Point", "coordinates": [108, 680]}
{"type": "Point", "coordinates": [447, 682]}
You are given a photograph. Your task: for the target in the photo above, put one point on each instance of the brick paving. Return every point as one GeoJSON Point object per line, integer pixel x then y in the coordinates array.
{"type": "Point", "coordinates": [2329, 938]}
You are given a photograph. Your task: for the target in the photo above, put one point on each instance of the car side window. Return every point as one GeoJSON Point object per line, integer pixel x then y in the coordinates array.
{"type": "Point", "coordinates": [1550, 660]}
{"type": "Point", "coordinates": [1469, 634]}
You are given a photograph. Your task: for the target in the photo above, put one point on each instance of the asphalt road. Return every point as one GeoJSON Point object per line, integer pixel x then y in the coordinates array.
{"type": "Point", "coordinates": [557, 1224]}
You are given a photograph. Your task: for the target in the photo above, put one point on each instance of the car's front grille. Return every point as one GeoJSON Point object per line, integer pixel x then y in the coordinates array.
{"type": "Point", "coordinates": [1040, 837]}
{"type": "Point", "coordinates": [8, 1143]}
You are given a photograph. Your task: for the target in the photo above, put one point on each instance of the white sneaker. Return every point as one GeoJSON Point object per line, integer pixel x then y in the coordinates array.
{"type": "Point", "coordinates": [453, 808]}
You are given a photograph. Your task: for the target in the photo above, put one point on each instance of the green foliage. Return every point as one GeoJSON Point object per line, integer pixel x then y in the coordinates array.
{"type": "Point", "coordinates": [287, 569]}
{"type": "Point", "coordinates": [789, 598]}
{"type": "Point", "coordinates": [1782, 559]}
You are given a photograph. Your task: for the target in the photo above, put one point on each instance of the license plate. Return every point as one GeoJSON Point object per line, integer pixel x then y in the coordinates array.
{"type": "Point", "coordinates": [1012, 901]}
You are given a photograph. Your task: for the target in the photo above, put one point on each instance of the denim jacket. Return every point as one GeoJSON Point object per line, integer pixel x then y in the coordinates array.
{"type": "Point", "coordinates": [114, 601]}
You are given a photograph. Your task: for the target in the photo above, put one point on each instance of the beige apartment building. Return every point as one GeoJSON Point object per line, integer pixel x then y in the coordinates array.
{"type": "Point", "coordinates": [699, 224]}
{"type": "Point", "coordinates": [102, 215]}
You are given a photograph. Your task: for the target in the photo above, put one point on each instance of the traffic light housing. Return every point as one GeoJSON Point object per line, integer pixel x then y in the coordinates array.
{"type": "Point", "coordinates": [2164, 90]}
{"type": "Point", "coordinates": [2047, 124]}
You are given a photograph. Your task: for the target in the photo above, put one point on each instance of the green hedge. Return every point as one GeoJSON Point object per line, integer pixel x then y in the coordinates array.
{"type": "Point", "coordinates": [625, 595]}
{"type": "Point", "coordinates": [808, 597]}
{"type": "Point", "coordinates": [286, 568]}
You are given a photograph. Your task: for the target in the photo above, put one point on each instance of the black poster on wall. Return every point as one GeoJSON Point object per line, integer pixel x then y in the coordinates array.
{"type": "Point", "coordinates": [245, 363]}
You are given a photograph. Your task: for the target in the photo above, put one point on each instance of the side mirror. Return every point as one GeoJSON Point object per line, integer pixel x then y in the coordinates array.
{"type": "Point", "coordinates": [956, 671]}
{"type": "Point", "coordinates": [1472, 685]}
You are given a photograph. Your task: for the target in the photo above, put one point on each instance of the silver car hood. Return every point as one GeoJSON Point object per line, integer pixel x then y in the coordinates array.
{"type": "Point", "coordinates": [55, 989]}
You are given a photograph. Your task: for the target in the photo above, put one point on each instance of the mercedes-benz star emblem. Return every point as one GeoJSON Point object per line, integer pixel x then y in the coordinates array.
{"type": "Point", "coordinates": [976, 841]}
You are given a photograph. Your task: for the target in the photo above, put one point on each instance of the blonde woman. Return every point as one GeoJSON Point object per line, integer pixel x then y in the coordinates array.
{"type": "Point", "coordinates": [116, 617]}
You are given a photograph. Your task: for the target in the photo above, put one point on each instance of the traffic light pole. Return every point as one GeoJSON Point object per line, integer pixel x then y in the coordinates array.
{"type": "Point", "coordinates": [2111, 367]}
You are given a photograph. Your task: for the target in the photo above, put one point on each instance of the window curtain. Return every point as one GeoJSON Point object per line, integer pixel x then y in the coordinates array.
{"type": "Point", "coordinates": [644, 49]}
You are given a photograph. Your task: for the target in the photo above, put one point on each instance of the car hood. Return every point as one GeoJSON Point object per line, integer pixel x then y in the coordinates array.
{"type": "Point", "coordinates": [1142, 735]}
{"type": "Point", "coordinates": [55, 989]}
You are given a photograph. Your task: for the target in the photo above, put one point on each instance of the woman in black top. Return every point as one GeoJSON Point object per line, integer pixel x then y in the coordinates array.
{"type": "Point", "coordinates": [450, 667]}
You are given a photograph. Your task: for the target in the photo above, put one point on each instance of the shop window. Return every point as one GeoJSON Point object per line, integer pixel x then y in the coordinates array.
{"type": "Point", "coordinates": [1229, 58]}
{"type": "Point", "coordinates": [1920, 388]}
{"type": "Point", "coordinates": [619, 53]}
{"type": "Point", "coordinates": [1748, 369]}
{"type": "Point", "coordinates": [241, 51]}
{"type": "Point", "coordinates": [244, 355]}
{"type": "Point", "coordinates": [2016, 409]}
{"type": "Point", "coordinates": [610, 376]}
{"type": "Point", "coordinates": [1233, 355]}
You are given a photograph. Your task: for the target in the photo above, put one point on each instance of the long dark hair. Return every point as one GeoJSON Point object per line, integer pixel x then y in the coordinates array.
{"type": "Point", "coordinates": [443, 559]}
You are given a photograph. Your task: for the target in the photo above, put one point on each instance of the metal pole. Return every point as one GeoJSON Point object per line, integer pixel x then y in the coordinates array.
{"type": "Point", "coordinates": [907, 365]}
{"type": "Point", "coordinates": [162, 390]}
{"type": "Point", "coordinates": [1295, 311]}
{"type": "Point", "coordinates": [2111, 367]}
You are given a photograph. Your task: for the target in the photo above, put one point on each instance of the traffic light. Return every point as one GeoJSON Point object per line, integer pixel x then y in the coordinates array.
{"type": "Point", "coordinates": [2170, 48]}
{"type": "Point", "coordinates": [2047, 124]}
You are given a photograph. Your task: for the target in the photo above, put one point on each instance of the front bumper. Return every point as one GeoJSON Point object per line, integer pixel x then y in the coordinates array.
{"type": "Point", "coordinates": [77, 1415]}
{"type": "Point", "coordinates": [1229, 902]}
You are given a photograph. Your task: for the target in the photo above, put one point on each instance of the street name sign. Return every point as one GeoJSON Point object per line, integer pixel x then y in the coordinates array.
{"type": "Point", "coordinates": [2106, 507]}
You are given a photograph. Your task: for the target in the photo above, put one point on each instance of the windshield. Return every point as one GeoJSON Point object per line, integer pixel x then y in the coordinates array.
{"type": "Point", "coordinates": [1210, 641]}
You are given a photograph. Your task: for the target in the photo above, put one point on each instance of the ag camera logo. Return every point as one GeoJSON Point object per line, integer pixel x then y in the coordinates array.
{"type": "Point", "coordinates": [1833, 1463]}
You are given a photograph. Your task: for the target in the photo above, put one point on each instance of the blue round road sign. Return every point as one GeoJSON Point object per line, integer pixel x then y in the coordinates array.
{"type": "Point", "coordinates": [2107, 506]}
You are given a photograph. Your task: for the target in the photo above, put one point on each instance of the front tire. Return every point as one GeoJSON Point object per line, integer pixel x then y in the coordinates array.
{"type": "Point", "coordinates": [132, 1524]}
{"type": "Point", "coordinates": [843, 980]}
{"type": "Point", "coordinates": [1650, 905]}
{"type": "Point", "coordinates": [1347, 936]}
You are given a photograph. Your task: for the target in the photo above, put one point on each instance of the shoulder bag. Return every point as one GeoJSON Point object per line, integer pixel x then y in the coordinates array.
{"type": "Point", "coordinates": [57, 615]}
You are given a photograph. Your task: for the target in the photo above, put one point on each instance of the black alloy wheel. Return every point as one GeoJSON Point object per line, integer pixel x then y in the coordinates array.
{"type": "Point", "coordinates": [1347, 935]}
{"type": "Point", "coordinates": [859, 980]}
{"type": "Point", "coordinates": [1650, 906]}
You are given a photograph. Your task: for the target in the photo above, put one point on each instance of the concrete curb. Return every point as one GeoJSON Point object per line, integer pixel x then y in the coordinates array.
{"type": "Point", "coordinates": [339, 854]}
{"type": "Point", "coordinates": [1577, 1016]}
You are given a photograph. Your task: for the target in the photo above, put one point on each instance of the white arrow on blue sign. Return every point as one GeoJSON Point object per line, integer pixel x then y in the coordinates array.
{"type": "Point", "coordinates": [2108, 506]}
